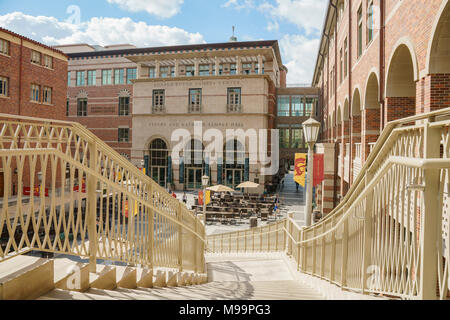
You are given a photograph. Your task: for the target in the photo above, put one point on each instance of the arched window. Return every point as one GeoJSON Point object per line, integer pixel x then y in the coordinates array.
{"type": "Point", "coordinates": [194, 164]}
{"type": "Point", "coordinates": [158, 161]}
{"type": "Point", "coordinates": [234, 163]}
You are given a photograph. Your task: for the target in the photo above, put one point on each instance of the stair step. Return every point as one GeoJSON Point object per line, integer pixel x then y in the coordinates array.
{"type": "Point", "coordinates": [103, 278]}
{"type": "Point", "coordinates": [144, 278]}
{"type": "Point", "coordinates": [59, 294]}
{"type": "Point", "coordinates": [71, 275]}
{"type": "Point", "coordinates": [126, 277]}
{"type": "Point", "coordinates": [25, 277]}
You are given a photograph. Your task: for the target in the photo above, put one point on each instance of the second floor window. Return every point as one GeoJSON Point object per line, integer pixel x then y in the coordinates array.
{"type": "Point", "coordinates": [131, 75]}
{"type": "Point", "coordinates": [4, 47]}
{"type": "Point", "coordinates": [341, 66]}
{"type": "Point", "coordinates": [118, 76]}
{"type": "Point", "coordinates": [48, 62]}
{"type": "Point", "coordinates": [190, 71]}
{"type": "Point", "coordinates": [297, 107]}
{"type": "Point", "coordinates": [234, 96]}
{"type": "Point", "coordinates": [370, 23]}
{"type": "Point", "coordinates": [106, 77]}
{"type": "Point", "coordinates": [345, 58]}
{"type": "Point", "coordinates": [283, 106]}
{"type": "Point", "coordinates": [35, 93]}
{"type": "Point", "coordinates": [124, 134]}
{"type": "Point", "coordinates": [91, 78]}
{"type": "Point", "coordinates": [67, 107]}
{"type": "Point", "coordinates": [164, 72]}
{"type": "Point", "coordinates": [246, 68]}
{"type": "Point", "coordinates": [257, 68]}
{"type": "Point", "coordinates": [68, 79]}
{"type": "Point", "coordinates": [158, 99]}
{"type": "Point", "coordinates": [204, 70]}
{"type": "Point", "coordinates": [152, 72]}
{"type": "Point", "coordinates": [124, 106]}
{"type": "Point", "coordinates": [233, 68]}
{"type": "Point", "coordinates": [35, 57]}
{"type": "Point", "coordinates": [82, 107]}
{"type": "Point", "coordinates": [4, 86]}
{"type": "Point", "coordinates": [47, 95]}
{"type": "Point", "coordinates": [360, 31]}
{"type": "Point", "coordinates": [195, 99]}
{"type": "Point", "coordinates": [80, 78]}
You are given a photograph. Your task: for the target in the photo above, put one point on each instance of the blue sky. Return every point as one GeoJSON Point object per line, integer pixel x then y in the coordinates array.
{"type": "Point", "coordinates": [296, 24]}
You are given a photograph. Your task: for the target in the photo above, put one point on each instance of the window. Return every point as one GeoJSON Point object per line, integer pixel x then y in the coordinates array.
{"type": "Point", "coordinates": [246, 68]}
{"type": "Point", "coordinates": [164, 72]}
{"type": "Point", "coordinates": [340, 11]}
{"type": "Point", "coordinates": [158, 100]}
{"type": "Point", "coordinates": [345, 58]}
{"type": "Point", "coordinates": [233, 68]}
{"type": "Point", "coordinates": [80, 78]}
{"type": "Point", "coordinates": [234, 96]}
{"type": "Point", "coordinates": [172, 72]}
{"type": "Point", "coordinates": [106, 77]}
{"type": "Point", "coordinates": [370, 23]}
{"type": "Point", "coordinates": [309, 106]}
{"type": "Point", "coordinates": [47, 95]}
{"type": "Point", "coordinates": [257, 68]}
{"type": "Point", "coordinates": [91, 78]}
{"type": "Point", "coordinates": [67, 107]}
{"type": "Point", "coordinates": [297, 106]}
{"type": "Point", "coordinates": [4, 86]}
{"type": "Point", "coordinates": [297, 137]}
{"type": "Point", "coordinates": [48, 62]}
{"type": "Point", "coordinates": [195, 99]}
{"type": "Point", "coordinates": [360, 31]}
{"type": "Point", "coordinates": [124, 134]}
{"type": "Point", "coordinates": [82, 107]}
{"type": "Point", "coordinates": [68, 79]}
{"type": "Point", "coordinates": [35, 93]}
{"type": "Point", "coordinates": [131, 75]}
{"type": "Point", "coordinates": [204, 70]}
{"type": "Point", "coordinates": [35, 57]}
{"type": "Point", "coordinates": [4, 47]}
{"type": "Point", "coordinates": [118, 76]}
{"type": "Point", "coordinates": [152, 72]}
{"type": "Point", "coordinates": [124, 106]}
{"type": "Point", "coordinates": [284, 136]}
{"type": "Point", "coordinates": [190, 71]}
{"type": "Point", "coordinates": [283, 106]}
{"type": "Point", "coordinates": [341, 66]}
{"type": "Point", "coordinates": [220, 69]}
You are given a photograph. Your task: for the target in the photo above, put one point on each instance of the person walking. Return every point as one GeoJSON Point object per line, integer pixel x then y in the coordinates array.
{"type": "Point", "coordinates": [184, 198]}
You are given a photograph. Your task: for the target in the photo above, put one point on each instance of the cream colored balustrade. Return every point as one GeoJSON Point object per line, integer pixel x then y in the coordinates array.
{"type": "Point", "coordinates": [93, 202]}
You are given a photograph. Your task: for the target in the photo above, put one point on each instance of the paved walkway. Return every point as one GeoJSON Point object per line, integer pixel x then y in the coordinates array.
{"type": "Point", "coordinates": [293, 200]}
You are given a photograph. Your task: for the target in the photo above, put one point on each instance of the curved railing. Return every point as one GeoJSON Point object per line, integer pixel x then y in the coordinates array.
{"type": "Point", "coordinates": [390, 234]}
{"type": "Point", "coordinates": [66, 191]}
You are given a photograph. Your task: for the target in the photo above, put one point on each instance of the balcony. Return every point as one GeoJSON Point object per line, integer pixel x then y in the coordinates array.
{"type": "Point", "coordinates": [195, 108]}
{"type": "Point", "coordinates": [234, 108]}
{"type": "Point", "coordinates": [158, 109]}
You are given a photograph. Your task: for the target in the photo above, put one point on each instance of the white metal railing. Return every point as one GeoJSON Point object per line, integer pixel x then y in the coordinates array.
{"type": "Point", "coordinates": [390, 234]}
{"type": "Point", "coordinates": [371, 146]}
{"type": "Point", "coordinates": [358, 150]}
{"type": "Point", "coordinates": [89, 200]}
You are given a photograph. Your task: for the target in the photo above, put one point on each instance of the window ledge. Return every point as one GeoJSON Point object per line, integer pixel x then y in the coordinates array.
{"type": "Point", "coordinates": [4, 97]}
{"type": "Point", "coordinates": [48, 104]}
{"type": "Point", "coordinates": [5, 55]}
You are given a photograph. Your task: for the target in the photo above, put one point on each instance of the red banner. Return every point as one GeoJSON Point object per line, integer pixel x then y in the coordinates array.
{"type": "Point", "coordinates": [83, 188]}
{"type": "Point", "coordinates": [36, 193]}
{"type": "Point", "coordinates": [200, 198]}
{"type": "Point", "coordinates": [125, 208]}
{"type": "Point", "coordinates": [318, 169]}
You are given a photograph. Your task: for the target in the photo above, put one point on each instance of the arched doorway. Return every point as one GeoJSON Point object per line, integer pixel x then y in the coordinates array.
{"type": "Point", "coordinates": [356, 134]}
{"type": "Point", "coordinates": [234, 163]}
{"type": "Point", "coordinates": [438, 78]}
{"type": "Point", "coordinates": [194, 164]}
{"type": "Point", "coordinates": [159, 161]}
{"type": "Point", "coordinates": [400, 86]}
{"type": "Point", "coordinates": [372, 123]}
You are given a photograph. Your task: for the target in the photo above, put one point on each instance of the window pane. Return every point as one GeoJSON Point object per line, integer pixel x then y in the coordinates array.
{"type": "Point", "coordinates": [118, 76]}
{"type": "Point", "coordinates": [106, 77]}
{"type": "Point", "coordinates": [283, 106]}
{"type": "Point", "coordinates": [297, 107]}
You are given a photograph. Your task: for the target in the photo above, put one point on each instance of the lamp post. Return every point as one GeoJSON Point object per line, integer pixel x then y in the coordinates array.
{"type": "Point", "coordinates": [205, 182]}
{"type": "Point", "coordinates": [311, 131]}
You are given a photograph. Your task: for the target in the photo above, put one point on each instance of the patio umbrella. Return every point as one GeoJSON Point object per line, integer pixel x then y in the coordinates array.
{"type": "Point", "coordinates": [248, 185]}
{"type": "Point", "coordinates": [220, 188]}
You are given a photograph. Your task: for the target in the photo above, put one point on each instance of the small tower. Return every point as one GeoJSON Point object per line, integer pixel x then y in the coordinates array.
{"type": "Point", "coordinates": [233, 38]}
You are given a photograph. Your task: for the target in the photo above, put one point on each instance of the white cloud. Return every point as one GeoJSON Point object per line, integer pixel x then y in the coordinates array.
{"type": "Point", "coordinates": [101, 31]}
{"type": "Point", "coordinates": [160, 8]}
{"type": "Point", "coordinates": [299, 56]}
{"type": "Point", "coordinates": [272, 26]}
{"type": "Point", "coordinates": [239, 4]}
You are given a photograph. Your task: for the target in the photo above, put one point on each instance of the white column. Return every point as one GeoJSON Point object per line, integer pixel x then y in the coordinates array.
{"type": "Point", "coordinates": [238, 65]}
{"type": "Point", "coordinates": [196, 67]}
{"type": "Point", "coordinates": [260, 64]}
{"type": "Point", "coordinates": [216, 61]}
{"type": "Point", "coordinates": [177, 67]}
{"type": "Point", "coordinates": [157, 69]}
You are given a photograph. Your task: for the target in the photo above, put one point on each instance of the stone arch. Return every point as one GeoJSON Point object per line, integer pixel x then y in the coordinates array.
{"type": "Point", "coordinates": [371, 99]}
{"type": "Point", "coordinates": [402, 71]}
{"type": "Point", "coordinates": [345, 110]}
{"type": "Point", "coordinates": [339, 115]}
{"type": "Point", "coordinates": [401, 84]}
{"type": "Point", "coordinates": [82, 94]}
{"type": "Point", "coordinates": [158, 162]}
{"type": "Point", "coordinates": [124, 93]}
{"type": "Point", "coordinates": [438, 55]}
{"type": "Point", "coordinates": [154, 137]}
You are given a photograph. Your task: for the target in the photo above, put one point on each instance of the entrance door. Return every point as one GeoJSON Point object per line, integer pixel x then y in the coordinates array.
{"type": "Point", "coordinates": [159, 174]}
{"type": "Point", "coordinates": [234, 177]}
{"type": "Point", "coordinates": [194, 178]}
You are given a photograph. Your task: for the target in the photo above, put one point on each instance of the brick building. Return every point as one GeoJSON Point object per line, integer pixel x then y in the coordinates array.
{"type": "Point", "coordinates": [32, 78]}
{"type": "Point", "coordinates": [33, 83]}
{"type": "Point", "coordinates": [378, 61]}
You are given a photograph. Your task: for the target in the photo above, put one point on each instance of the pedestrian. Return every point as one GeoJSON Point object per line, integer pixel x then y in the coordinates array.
{"type": "Point", "coordinates": [174, 195]}
{"type": "Point", "coordinates": [296, 185]}
{"type": "Point", "coordinates": [184, 198]}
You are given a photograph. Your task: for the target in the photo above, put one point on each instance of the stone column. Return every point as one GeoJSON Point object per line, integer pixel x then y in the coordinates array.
{"type": "Point", "coordinates": [216, 65]}
{"type": "Point", "coordinates": [327, 186]}
{"type": "Point", "coordinates": [196, 67]}
{"type": "Point", "coordinates": [260, 64]}
{"type": "Point", "coordinates": [177, 68]}
{"type": "Point", "coordinates": [157, 69]}
{"type": "Point", "coordinates": [238, 65]}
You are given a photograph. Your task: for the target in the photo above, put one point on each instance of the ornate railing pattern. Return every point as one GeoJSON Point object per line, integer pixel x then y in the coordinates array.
{"type": "Point", "coordinates": [390, 233]}
{"type": "Point", "coordinates": [87, 200]}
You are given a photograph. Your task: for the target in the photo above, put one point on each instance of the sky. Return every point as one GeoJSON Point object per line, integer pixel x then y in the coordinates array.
{"type": "Point", "coordinates": [296, 24]}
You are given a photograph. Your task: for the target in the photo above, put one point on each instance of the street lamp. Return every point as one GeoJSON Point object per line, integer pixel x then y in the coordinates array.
{"type": "Point", "coordinates": [205, 182]}
{"type": "Point", "coordinates": [311, 131]}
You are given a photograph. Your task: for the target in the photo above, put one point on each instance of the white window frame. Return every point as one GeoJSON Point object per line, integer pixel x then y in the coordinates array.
{"type": "Point", "coordinates": [34, 57]}
{"type": "Point", "coordinates": [4, 86]}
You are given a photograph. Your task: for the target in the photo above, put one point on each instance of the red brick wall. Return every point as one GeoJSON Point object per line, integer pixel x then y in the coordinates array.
{"type": "Point", "coordinates": [399, 107]}
{"type": "Point", "coordinates": [20, 84]}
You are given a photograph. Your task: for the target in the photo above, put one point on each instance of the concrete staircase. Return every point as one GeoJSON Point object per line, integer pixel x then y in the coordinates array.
{"type": "Point", "coordinates": [29, 277]}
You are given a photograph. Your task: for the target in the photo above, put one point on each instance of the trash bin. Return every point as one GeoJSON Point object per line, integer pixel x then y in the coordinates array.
{"type": "Point", "coordinates": [253, 222]}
